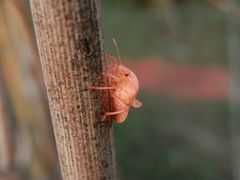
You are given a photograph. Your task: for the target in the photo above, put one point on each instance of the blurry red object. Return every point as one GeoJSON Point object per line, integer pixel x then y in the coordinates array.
{"type": "Point", "coordinates": [183, 81]}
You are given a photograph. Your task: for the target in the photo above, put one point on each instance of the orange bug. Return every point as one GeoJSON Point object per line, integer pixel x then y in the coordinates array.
{"type": "Point", "coordinates": [124, 88]}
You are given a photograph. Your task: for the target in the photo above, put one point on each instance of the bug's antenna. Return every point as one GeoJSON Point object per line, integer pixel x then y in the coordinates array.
{"type": "Point", "coordinates": [117, 49]}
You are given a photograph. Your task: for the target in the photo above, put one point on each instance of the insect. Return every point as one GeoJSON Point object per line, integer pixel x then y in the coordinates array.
{"type": "Point", "coordinates": [123, 88]}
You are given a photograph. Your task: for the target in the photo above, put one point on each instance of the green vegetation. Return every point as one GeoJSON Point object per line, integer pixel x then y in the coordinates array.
{"type": "Point", "coordinates": [165, 139]}
{"type": "Point", "coordinates": [195, 33]}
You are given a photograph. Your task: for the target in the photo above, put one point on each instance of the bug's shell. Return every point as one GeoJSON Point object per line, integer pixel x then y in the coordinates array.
{"type": "Point", "coordinates": [125, 92]}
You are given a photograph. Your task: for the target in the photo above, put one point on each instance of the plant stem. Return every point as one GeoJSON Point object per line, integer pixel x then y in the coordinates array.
{"type": "Point", "coordinates": [71, 52]}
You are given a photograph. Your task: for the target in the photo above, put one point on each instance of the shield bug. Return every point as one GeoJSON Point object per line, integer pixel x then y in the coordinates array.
{"type": "Point", "coordinates": [123, 88]}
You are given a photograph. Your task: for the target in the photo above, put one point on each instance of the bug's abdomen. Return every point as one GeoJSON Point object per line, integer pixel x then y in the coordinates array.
{"type": "Point", "coordinates": [119, 105]}
{"type": "Point", "coordinates": [125, 92]}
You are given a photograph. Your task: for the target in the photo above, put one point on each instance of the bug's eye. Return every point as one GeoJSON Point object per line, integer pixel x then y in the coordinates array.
{"type": "Point", "coordinates": [126, 74]}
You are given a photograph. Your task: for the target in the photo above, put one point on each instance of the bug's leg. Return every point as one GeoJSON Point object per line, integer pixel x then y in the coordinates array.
{"type": "Point", "coordinates": [101, 88]}
{"type": "Point", "coordinates": [113, 113]}
{"type": "Point", "coordinates": [110, 75]}
{"type": "Point", "coordinates": [109, 56]}
{"type": "Point", "coordinates": [136, 103]}
{"type": "Point", "coordinates": [117, 61]}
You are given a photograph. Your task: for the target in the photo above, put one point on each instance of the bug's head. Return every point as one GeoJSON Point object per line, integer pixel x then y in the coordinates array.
{"type": "Point", "coordinates": [127, 75]}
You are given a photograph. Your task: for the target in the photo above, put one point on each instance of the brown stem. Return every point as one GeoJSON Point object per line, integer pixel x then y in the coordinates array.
{"type": "Point", "coordinates": [69, 42]}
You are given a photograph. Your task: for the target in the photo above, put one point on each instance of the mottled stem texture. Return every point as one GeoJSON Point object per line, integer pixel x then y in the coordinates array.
{"type": "Point", "coordinates": [69, 40]}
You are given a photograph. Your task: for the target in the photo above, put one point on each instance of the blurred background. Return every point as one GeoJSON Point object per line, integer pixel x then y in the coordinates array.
{"type": "Point", "coordinates": [186, 55]}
